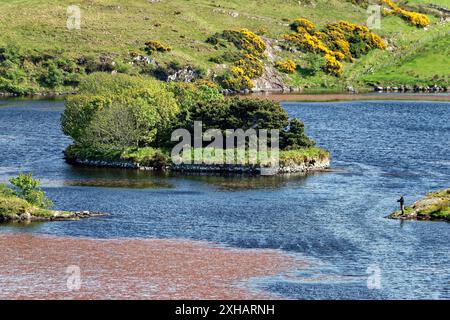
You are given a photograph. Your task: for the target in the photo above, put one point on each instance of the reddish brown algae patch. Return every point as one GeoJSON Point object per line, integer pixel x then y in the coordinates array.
{"type": "Point", "coordinates": [36, 267]}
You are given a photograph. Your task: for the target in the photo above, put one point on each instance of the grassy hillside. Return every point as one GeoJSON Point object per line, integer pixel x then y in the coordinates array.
{"type": "Point", "coordinates": [113, 29]}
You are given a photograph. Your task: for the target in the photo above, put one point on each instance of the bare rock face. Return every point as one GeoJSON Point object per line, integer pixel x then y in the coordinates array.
{"type": "Point", "coordinates": [271, 80]}
{"type": "Point", "coordinates": [186, 74]}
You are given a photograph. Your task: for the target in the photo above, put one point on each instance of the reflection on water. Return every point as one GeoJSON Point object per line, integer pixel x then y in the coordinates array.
{"type": "Point", "coordinates": [141, 179]}
{"type": "Point", "coordinates": [116, 183]}
{"type": "Point", "coordinates": [246, 182]}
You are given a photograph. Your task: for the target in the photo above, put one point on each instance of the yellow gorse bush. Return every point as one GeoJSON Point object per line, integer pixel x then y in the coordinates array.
{"type": "Point", "coordinates": [336, 42]}
{"type": "Point", "coordinates": [300, 24]}
{"type": "Point", "coordinates": [307, 42]}
{"type": "Point", "coordinates": [333, 66]}
{"type": "Point", "coordinates": [156, 46]}
{"type": "Point", "coordinates": [251, 42]}
{"type": "Point", "coordinates": [417, 19]}
{"type": "Point", "coordinates": [344, 31]}
{"type": "Point", "coordinates": [238, 79]}
{"type": "Point", "coordinates": [287, 66]}
{"type": "Point", "coordinates": [250, 64]}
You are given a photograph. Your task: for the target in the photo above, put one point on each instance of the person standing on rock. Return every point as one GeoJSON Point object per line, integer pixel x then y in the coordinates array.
{"type": "Point", "coordinates": [402, 204]}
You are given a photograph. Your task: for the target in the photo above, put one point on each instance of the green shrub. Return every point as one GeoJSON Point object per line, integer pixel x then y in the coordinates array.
{"type": "Point", "coordinates": [28, 189]}
{"type": "Point", "coordinates": [119, 111]}
{"type": "Point", "coordinates": [7, 85]}
{"type": "Point", "coordinates": [11, 206]}
{"type": "Point", "coordinates": [51, 76]}
{"type": "Point", "coordinates": [150, 157]}
{"type": "Point", "coordinates": [294, 137]}
{"type": "Point", "coordinates": [156, 46]}
{"type": "Point", "coordinates": [314, 62]}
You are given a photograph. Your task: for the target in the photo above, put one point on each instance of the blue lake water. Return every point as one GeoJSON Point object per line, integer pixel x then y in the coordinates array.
{"type": "Point", "coordinates": [334, 220]}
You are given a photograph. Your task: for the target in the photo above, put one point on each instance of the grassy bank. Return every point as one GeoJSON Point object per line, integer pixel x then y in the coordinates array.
{"type": "Point", "coordinates": [43, 55]}
{"type": "Point", "coordinates": [26, 202]}
{"type": "Point", "coordinates": [436, 206]}
{"type": "Point", "coordinates": [13, 207]}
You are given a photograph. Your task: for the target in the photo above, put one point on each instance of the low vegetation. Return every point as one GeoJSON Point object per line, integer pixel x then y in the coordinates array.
{"type": "Point", "coordinates": [24, 200]}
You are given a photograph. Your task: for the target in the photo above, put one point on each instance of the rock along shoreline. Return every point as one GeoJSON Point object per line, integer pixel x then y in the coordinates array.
{"type": "Point", "coordinates": [53, 216]}
{"type": "Point", "coordinates": [292, 168]}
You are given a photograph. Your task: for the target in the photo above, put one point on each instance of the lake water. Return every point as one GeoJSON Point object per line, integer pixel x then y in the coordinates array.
{"type": "Point", "coordinates": [336, 220]}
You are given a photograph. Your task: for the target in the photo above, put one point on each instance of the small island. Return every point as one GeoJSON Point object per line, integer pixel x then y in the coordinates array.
{"type": "Point", "coordinates": [133, 122]}
{"type": "Point", "coordinates": [435, 207]}
{"type": "Point", "coordinates": [26, 202]}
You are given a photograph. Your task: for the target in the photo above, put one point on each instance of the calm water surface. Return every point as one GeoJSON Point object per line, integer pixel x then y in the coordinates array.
{"type": "Point", "coordinates": [334, 220]}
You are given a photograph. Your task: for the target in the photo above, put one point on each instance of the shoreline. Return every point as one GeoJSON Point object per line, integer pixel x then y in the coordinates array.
{"type": "Point", "coordinates": [312, 166]}
{"type": "Point", "coordinates": [167, 269]}
{"type": "Point", "coordinates": [54, 215]}
{"type": "Point", "coordinates": [332, 97]}
{"type": "Point", "coordinates": [293, 97]}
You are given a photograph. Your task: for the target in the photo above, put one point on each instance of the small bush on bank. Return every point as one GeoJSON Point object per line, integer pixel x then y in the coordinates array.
{"type": "Point", "coordinates": [156, 46]}
{"type": "Point", "coordinates": [11, 205]}
{"type": "Point", "coordinates": [29, 189]}
{"type": "Point", "coordinates": [24, 71]}
{"type": "Point", "coordinates": [333, 66]}
{"type": "Point", "coordinates": [149, 157]}
{"type": "Point", "coordinates": [286, 66]}
{"type": "Point", "coordinates": [414, 18]}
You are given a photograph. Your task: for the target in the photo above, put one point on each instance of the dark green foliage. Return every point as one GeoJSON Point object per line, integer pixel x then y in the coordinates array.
{"type": "Point", "coordinates": [206, 104]}
{"type": "Point", "coordinates": [52, 76]}
{"type": "Point", "coordinates": [295, 137]}
{"type": "Point", "coordinates": [256, 114]}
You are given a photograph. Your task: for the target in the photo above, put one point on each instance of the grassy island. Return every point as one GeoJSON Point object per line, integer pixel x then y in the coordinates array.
{"type": "Point", "coordinates": [26, 202]}
{"type": "Point", "coordinates": [436, 206]}
{"type": "Point", "coordinates": [132, 122]}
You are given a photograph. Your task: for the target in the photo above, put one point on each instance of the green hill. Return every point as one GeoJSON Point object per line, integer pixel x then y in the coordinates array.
{"type": "Point", "coordinates": [39, 53]}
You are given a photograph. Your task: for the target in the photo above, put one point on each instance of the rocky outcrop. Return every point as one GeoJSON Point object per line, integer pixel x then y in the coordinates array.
{"type": "Point", "coordinates": [290, 168]}
{"type": "Point", "coordinates": [51, 216]}
{"type": "Point", "coordinates": [436, 206]}
{"type": "Point", "coordinates": [402, 88]}
{"type": "Point", "coordinates": [271, 80]}
{"type": "Point", "coordinates": [313, 165]}
{"type": "Point", "coordinates": [186, 74]}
